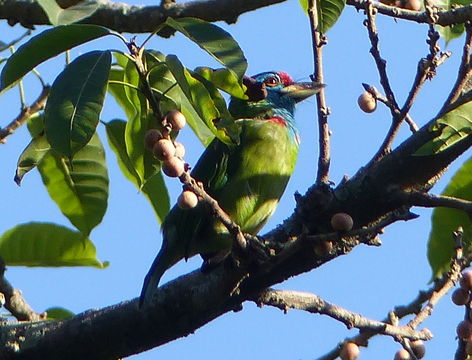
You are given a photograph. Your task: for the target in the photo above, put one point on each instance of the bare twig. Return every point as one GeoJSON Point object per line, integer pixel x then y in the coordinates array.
{"type": "Point", "coordinates": [430, 296]}
{"type": "Point", "coordinates": [287, 299]}
{"type": "Point", "coordinates": [218, 212]}
{"type": "Point", "coordinates": [419, 198]}
{"type": "Point", "coordinates": [14, 300]}
{"type": "Point", "coordinates": [15, 41]}
{"type": "Point", "coordinates": [318, 41]}
{"type": "Point", "coordinates": [25, 114]}
{"type": "Point", "coordinates": [380, 97]}
{"type": "Point", "coordinates": [426, 70]}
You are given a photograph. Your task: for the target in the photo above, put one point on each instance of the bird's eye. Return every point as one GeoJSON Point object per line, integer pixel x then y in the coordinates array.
{"type": "Point", "coordinates": [272, 81]}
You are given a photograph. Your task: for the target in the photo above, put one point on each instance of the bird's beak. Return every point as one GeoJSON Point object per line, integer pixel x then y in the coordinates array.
{"type": "Point", "coordinates": [302, 90]}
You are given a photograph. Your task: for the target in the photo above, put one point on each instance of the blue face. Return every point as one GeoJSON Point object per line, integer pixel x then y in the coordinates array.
{"type": "Point", "coordinates": [274, 84]}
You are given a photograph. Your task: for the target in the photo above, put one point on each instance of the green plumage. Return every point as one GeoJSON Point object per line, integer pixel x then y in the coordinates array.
{"type": "Point", "coordinates": [247, 179]}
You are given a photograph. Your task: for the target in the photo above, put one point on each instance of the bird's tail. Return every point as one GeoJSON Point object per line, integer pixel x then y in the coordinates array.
{"type": "Point", "coordinates": [152, 278]}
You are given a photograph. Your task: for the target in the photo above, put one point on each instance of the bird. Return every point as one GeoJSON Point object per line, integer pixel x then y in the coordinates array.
{"type": "Point", "coordinates": [247, 179]}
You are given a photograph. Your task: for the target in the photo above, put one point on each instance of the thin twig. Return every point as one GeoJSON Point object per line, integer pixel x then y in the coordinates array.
{"type": "Point", "coordinates": [458, 263]}
{"type": "Point", "coordinates": [426, 70]}
{"type": "Point", "coordinates": [14, 300]}
{"type": "Point", "coordinates": [419, 198]}
{"type": "Point", "coordinates": [430, 297]}
{"type": "Point", "coordinates": [287, 299]}
{"type": "Point", "coordinates": [218, 212]}
{"type": "Point", "coordinates": [318, 41]}
{"type": "Point", "coordinates": [25, 114]}
{"type": "Point", "coordinates": [15, 41]}
{"type": "Point", "coordinates": [384, 81]}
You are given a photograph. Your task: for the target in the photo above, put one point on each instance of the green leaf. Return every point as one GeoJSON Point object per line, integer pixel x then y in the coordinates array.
{"type": "Point", "coordinates": [154, 188]}
{"type": "Point", "coordinates": [198, 96]}
{"type": "Point", "coordinates": [76, 99]}
{"type": "Point", "coordinates": [214, 40]}
{"type": "Point", "coordinates": [224, 80]}
{"type": "Point", "coordinates": [35, 125]}
{"type": "Point", "coordinates": [156, 192]}
{"type": "Point", "coordinates": [79, 187]}
{"type": "Point", "coordinates": [59, 16]}
{"type": "Point", "coordinates": [451, 32]}
{"type": "Point", "coordinates": [163, 82]}
{"type": "Point", "coordinates": [137, 123]}
{"type": "Point", "coordinates": [30, 157]}
{"type": "Point", "coordinates": [329, 12]}
{"type": "Point", "coordinates": [445, 221]}
{"type": "Point", "coordinates": [46, 45]}
{"type": "Point", "coordinates": [47, 245]}
{"type": "Point", "coordinates": [450, 129]}
{"type": "Point", "coordinates": [58, 313]}
{"type": "Point", "coordinates": [52, 10]}
{"type": "Point", "coordinates": [36, 149]}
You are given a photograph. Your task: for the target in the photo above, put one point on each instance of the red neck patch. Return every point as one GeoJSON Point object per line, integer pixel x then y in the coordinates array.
{"type": "Point", "coordinates": [278, 120]}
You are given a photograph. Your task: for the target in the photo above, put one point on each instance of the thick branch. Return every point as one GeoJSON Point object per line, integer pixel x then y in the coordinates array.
{"type": "Point", "coordinates": [136, 19]}
{"type": "Point", "coordinates": [458, 15]}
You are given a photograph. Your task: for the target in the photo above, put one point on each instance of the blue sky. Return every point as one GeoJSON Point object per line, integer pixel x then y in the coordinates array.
{"type": "Point", "coordinates": [370, 281]}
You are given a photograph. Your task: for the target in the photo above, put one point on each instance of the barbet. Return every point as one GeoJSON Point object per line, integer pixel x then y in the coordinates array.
{"type": "Point", "coordinates": [247, 179]}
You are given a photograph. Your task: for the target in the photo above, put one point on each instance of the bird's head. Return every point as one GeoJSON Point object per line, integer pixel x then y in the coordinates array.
{"type": "Point", "coordinates": [272, 91]}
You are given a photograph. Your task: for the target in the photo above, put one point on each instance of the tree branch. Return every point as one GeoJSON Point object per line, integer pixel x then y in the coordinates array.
{"type": "Point", "coordinates": [136, 19]}
{"type": "Point", "coordinates": [287, 299]}
{"type": "Point", "coordinates": [444, 17]}
{"type": "Point", "coordinates": [430, 297]}
{"type": "Point", "coordinates": [318, 41]}
{"type": "Point", "coordinates": [25, 114]}
{"type": "Point", "coordinates": [14, 301]}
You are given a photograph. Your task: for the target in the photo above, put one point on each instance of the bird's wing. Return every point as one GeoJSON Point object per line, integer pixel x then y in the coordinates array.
{"type": "Point", "coordinates": [184, 227]}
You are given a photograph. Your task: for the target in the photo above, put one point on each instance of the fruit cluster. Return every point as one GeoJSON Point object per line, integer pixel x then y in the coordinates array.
{"type": "Point", "coordinates": [351, 351]}
{"type": "Point", "coordinates": [461, 296]}
{"type": "Point", "coordinates": [171, 153]}
{"type": "Point", "coordinates": [418, 348]}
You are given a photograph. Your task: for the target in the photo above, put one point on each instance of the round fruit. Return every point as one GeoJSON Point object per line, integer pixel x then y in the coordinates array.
{"type": "Point", "coordinates": [349, 351]}
{"type": "Point", "coordinates": [179, 149]}
{"type": "Point", "coordinates": [151, 137]}
{"type": "Point", "coordinates": [464, 329]}
{"type": "Point", "coordinates": [342, 222]}
{"type": "Point", "coordinates": [466, 280]}
{"type": "Point", "coordinates": [187, 200]}
{"type": "Point", "coordinates": [418, 348]}
{"type": "Point", "coordinates": [460, 296]}
{"type": "Point", "coordinates": [414, 5]}
{"type": "Point", "coordinates": [367, 102]}
{"type": "Point", "coordinates": [164, 149]}
{"type": "Point", "coordinates": [176, 119]}
{"type": "Point", "coordinates": [173, 167]}
{"type": "Point", "coordinates": [402, 354]}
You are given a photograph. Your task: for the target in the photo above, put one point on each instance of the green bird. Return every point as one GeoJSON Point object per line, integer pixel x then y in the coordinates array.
{"type": "Point", "coordinates": [247, 179]}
